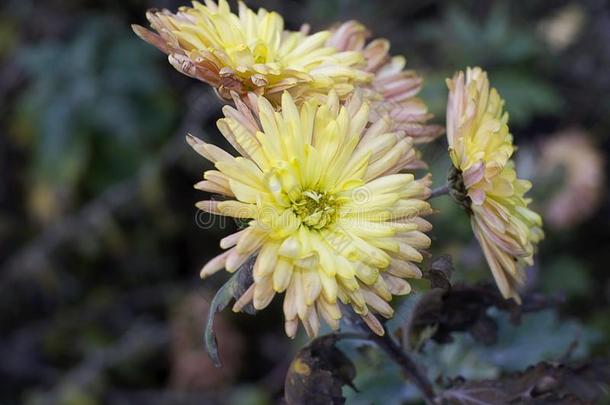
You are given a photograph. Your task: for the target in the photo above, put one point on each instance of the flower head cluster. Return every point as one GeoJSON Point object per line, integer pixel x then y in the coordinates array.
{"type": "Point", "coordinates": [251, 52]}
{"type": "Point", "coordinates": [324, 126]}
{"type": "Point", "coordinates": [331, 218]}
{"type": "Point", "coordinates": [485, 181]}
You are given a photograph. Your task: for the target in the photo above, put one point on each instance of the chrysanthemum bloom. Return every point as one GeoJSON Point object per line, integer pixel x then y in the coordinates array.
{"type": "Point", "coordinates": [393, 90]}
{"type": "Point", "coordinates": [250, 52]}
{"type": "Point", "coordinates": [583, 177]}
{"type": "Point", "coordinates": [485, 181]}
{"type": "Point", "coordinates": [330, 217]}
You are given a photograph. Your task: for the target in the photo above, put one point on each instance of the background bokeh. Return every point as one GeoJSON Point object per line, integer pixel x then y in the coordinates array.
{"type": "Point", "coordinates": [101, 246]}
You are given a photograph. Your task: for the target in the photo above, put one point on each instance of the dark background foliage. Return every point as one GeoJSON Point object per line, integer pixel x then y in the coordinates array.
{"type": "Point", "coordinates": [100, 243]}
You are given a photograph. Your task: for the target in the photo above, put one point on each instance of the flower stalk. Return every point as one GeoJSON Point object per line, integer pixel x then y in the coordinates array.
{"type": "Point", "coordinates": [407, 365]}
{"type": "Point", "coordinates": [439, 191]}
{"type": "Point", "coordinates": [409, 368]}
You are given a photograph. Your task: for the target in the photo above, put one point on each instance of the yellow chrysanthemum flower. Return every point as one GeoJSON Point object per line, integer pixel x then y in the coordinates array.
{"type": "Point", "coordinates": [251, 52]}
{"type": "Point", "coordinates": [331, 218]}
{"type": "Point", "coordinates": [393, 90]}
{"type": "Point", "coordinates": [485, 181]}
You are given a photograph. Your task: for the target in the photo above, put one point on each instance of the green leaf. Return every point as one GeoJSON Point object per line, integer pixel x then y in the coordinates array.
{"type": "Point", "coordinates": [403, 312]}
{"type": "Point", "coordinates": [220, 302]}
{"type": "Point", "coordinates": [234, 288]}
{"type": "Point", "coordinates": [539, 337]}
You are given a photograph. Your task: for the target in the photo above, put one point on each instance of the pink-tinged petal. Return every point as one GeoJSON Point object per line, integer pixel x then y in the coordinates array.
{"type": "Point", "coordinates": [480, 148]}
{"type": "Point", "coordinates": [477, 196]}
{"type": "Point", "coordinates": [473, 174]}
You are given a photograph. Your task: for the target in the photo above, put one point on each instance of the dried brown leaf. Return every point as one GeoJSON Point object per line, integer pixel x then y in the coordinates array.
{"type": "Point", "coordinates": [318, 373]}
{"type": "Point", "coordinates": [542, 384]}
{"type": "Point", "coordinates": [463, 308]}
{"type": "Point", "coordinates": [440, 272]}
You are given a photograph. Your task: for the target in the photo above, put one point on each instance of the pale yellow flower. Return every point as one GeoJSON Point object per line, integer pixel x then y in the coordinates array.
{"type": "Point", "coordinates": [394, 90]}
{"type": "Point", "coordinates": [251, 52]}
{"type": "Point", "coordinates": [331, 219]}
{"type": "Point", "coordinates": [485, 180]}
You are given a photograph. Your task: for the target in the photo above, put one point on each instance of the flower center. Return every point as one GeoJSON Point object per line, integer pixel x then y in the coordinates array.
{"type": "Point", "coordinates": [458, 189]}
{"type": "Point", "coordinates": [261, 53]}
{"type": "Point", "coordinates": [316, 209]}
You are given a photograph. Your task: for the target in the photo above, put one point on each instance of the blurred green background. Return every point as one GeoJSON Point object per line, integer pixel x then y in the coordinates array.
{"type": "Point", "coordinates": [101, 246]}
